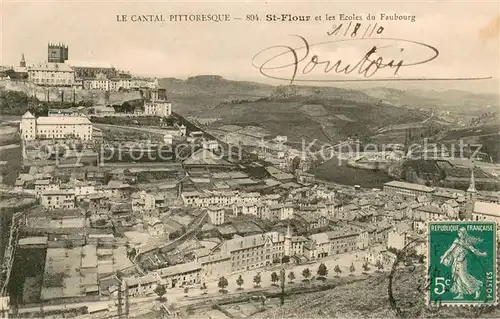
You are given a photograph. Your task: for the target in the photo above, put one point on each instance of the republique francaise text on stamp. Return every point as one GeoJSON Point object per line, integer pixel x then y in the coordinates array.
{"type": "Point", "coordinates": [462, 261]}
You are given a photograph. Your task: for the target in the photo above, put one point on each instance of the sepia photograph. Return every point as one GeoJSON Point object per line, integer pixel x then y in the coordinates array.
{"type": "Point", "coordinates": [249, 159]}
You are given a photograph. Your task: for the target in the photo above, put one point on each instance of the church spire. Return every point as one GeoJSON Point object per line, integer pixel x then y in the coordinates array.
{"type": "Point", "coordinates": [23, 61]}
{"type": "Point", "coordinates": [288, 232]}
{"type": "Point", "coordinates": [472, 182]}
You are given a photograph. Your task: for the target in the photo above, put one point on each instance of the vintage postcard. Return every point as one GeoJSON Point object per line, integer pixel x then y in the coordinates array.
{"type": "Point", "coordinates": [249, 159]}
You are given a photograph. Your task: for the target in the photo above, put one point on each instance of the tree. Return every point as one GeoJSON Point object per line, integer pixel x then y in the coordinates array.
{"type": "Point", "coordinates": [120, 275]}
{"type": "Point", "coordinates": [222, 284]}
{"type": "Point", "coordinates": [379, 265]}
{"type": "Point", "coordinates": [133, 253]}
{"type": "Point", "coordinates": [203, 288]}
{"type": "Point", "coordinates": [365, 266]}
{"type": "Point", "coordinates": [322, 271]}
{"type": "Point", "coordinates": [257, 280]}
{"type": "Point", "coordinates": [160, 290]}
{"type": "Point", "coordinates": [79, 147]}
{"type": "Point", "coordinates": [352, 269]}
{"type": "Point", "coordinates": [337, 270]}
{"type": "Point", "coordinates": [306, 273]}
{"type": "Point", "coordinates": [263, 300]}
{"type": "Point", "coordinates": [291, 276]}
{"type": "Point", "coordinates": [68, 244]}
{"type": "Point", "coordinates": [239, 282]}
{"type": "Point", "coordinates": [274, 278]}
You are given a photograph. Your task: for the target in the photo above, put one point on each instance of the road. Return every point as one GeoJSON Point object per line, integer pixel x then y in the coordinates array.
{"type": "Point", "coordinates": [391, 127]}
{"type": "Point", "coordinates": [10, 121]}
{"type": "Point", "coordinates": [159, 132]}
{"type": "Point", "coordinates": [201, 302]}
{"type": "Point", "coordinates": [344, 261]}
{"type": "Point", "coordinates": [91, 304]}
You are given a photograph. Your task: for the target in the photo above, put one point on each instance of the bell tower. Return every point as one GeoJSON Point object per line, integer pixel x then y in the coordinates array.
{"type": "Point", "coordinates": [23, 61]}
{"type": "Point", "coordinates": [288, 242]}
{"type": "Point", "coordinates": [471, 191]}
{"type": "Point", "coordinates": [57, 53]}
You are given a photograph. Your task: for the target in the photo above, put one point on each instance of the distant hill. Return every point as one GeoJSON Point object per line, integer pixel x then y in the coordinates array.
{"type": "Point", "coordinates": [453, 100]}
{"type": "Point", "coordinates": [328, 119]}
{"type": "Point", "coordinates": [214, 84]}
{"type": "Point", "coordinates": [324, 113]}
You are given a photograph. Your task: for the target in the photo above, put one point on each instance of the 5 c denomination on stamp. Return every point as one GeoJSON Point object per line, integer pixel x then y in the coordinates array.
{"type": "Point", "coordinates": [462, 260]}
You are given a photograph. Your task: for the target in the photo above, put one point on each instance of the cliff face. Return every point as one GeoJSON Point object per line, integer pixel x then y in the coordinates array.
{"type": "Point", "coordinates": [67, 94]}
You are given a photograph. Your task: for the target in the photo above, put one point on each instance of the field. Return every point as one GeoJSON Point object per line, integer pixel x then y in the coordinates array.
{"type": "Point", "coordinates": [324, 113]}
{"type": "Point", "coordinates": [326, 120]}
{"type": "Point", "coordinates": [299, 112]}
{"type": "Point", "coordinates": [27, 275]}
{"type": "Point", "coordinates": [483, 130]}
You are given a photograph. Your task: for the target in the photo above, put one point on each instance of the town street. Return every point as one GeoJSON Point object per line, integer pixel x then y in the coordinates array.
{"type": "Point", "coordinates": [344, 261]}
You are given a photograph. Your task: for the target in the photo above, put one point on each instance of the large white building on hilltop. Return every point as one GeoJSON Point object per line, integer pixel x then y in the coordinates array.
{"type": "Point", "coordinates": [55, 127]}
{"type": "Point", "coordinates": [51, 74]}
{"type": "Point", "coordinates": [156, 103]}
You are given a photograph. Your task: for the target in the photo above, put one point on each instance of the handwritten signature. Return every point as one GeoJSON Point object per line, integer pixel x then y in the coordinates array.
{"type": "Point", "coordinates": [299, 62]}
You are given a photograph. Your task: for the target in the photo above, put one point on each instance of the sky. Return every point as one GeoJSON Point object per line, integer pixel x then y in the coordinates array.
{"type": "Point", "coordinates": [465, 34]}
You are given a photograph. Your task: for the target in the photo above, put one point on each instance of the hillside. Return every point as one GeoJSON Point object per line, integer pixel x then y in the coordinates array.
{"type": "Point", "coordinates": [214, 85]}
{"type": "Point", "coordinates": [323, 113]}
{"type": "Point", "coordinates": [313, 117]}
{"type": "Point", "coordinates": [197, 95]}
{"type": "Point", "coordinates": [370, 299]}
{"type": "Point", "coordinates": [453, 100]}
{"type": "Point", "coordinates": [332, 113]}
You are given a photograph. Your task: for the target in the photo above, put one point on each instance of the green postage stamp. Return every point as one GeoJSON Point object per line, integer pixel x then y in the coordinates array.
{"type": "Point", "coordinates": [462, 261]}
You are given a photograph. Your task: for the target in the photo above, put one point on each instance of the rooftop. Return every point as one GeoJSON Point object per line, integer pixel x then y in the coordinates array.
{"type": "Point", "coordinates": [411, 186]}
{"type": "Point", "coordinates": [431, 209]}
{"type": "Point", "coordinates": [62, 120]}
{"type": "Point", "coordinates": [320, 238]}
{"type": "Point", "coordinates": [58, 192]}
{"type": "Point", "coordinates": [179, 269]}
{"type": "Point", "coordinates": [35, 240]}
{"type": "Point", "coordinates": [42, 182]}
{"type": "Point", "coordinates": [89, 64]}
{"type": "Point", "coordinates": [341, 234]}
{"type": "Point", "coordinates": [89, 256]}
{"type": "Point", "coordinates": [153, 221]}
{"type": "Point", "coordinates": [485, 208]}
{"type": "Point", "coordinates": [28, 115]}
{"type": "Point", "coordinates": [52, 67]}
{"type": "Point", "coordinates": [244, 242]}
{"type": "Point", "coordinates": [205, 157]}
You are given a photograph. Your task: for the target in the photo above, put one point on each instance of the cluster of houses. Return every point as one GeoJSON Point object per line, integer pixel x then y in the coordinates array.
{"type": "Point", "coordinates": [306, 222]}
{"type": "Point", "coordinates": [59, 71]}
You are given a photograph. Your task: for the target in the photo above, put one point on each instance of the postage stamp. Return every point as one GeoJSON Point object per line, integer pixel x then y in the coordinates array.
{"type": "Point", "coordinates": [462, 261]}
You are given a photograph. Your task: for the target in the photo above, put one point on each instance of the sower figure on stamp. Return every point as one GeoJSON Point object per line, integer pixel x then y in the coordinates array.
{"type": "Point", "coordinates": [456, 255]}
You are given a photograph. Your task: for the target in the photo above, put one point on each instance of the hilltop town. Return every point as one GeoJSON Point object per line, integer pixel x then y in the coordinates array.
{"type": "Point", "coordinates": [134, 209]}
